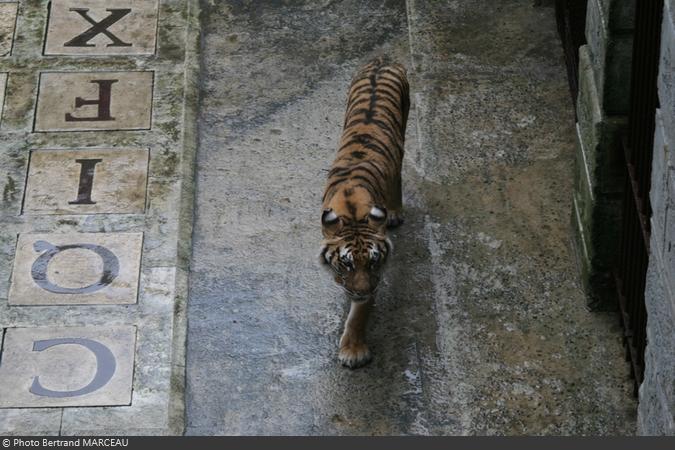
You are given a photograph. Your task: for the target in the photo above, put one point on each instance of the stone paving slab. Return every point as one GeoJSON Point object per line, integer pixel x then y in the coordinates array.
{"type": "Point", "coordinates": [87, 181]}
{"type": "Point", "coordinates": [8, 12]}
{"type": "Point", "coordinates": [102, 27]}
{"type": "Point", "coordinates": [37, 422]}
{"type": "Point", "coordinates": [68, 366]}
{"type": "Point", "coordinates": [142, 187]}
{"type": "Point", "coordinates": [94, 101]}
{"type": "Point", "coordinates": [76, 269]}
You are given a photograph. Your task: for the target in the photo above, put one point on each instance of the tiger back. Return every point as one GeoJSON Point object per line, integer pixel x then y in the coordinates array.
{"type": "Point", "coordinates": [371, 148]}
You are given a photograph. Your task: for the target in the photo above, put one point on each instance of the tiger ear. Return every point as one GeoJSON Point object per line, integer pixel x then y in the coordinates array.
{"type": "Point", "coordinates": [378, 213]}
{"type": "Point", "coordinates": [329, 217]}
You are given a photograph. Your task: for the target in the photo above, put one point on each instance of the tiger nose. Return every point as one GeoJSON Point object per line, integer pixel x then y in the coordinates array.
{"type": "Point", "coordinates": [362, 284]}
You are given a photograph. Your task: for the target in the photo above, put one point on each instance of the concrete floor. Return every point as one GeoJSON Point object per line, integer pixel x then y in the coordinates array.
{"type": "Point", "coordinates": [480, 327]}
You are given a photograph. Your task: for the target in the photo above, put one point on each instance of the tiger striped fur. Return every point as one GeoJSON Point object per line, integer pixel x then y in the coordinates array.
{"type": "Point", "coordinates": [363, 194]}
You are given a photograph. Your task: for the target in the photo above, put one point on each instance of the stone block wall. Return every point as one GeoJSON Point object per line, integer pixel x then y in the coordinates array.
{"type": "Point", "coordinates": [609, 33]}
{"type": "Point", "coordinates": [602, 107]}
{"type": "Point", "coordinates": [657, 397]}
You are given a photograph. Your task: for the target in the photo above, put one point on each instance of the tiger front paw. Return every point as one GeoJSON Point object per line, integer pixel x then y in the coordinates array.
{"type": "Point", "coordinates": [354, 355]}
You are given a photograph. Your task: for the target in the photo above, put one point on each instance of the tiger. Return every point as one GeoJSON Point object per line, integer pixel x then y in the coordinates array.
{"type": "Point", "coordinates": [363, 196]}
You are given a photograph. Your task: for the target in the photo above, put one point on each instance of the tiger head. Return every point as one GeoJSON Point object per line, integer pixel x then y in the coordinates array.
{"type": "Point", "coordinates": [356, 248]}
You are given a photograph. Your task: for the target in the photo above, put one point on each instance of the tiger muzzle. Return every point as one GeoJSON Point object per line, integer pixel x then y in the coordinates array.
{"type": "Point", "coordinates": [361, 287]}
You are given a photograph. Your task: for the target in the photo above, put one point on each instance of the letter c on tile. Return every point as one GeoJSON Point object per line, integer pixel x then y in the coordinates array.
{"type": "Point", "coordinates": [105, 367]}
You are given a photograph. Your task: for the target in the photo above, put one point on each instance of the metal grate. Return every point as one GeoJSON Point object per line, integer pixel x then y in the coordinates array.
{"type": "Point", "coordinates": [631, 271]}
{"type": "Point", "coordinates": [571, 19]}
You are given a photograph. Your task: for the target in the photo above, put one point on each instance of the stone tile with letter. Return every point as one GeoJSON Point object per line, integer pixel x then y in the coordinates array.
{"type": "Point", "coordinates": [67, 366]}
{"type": "Point", "coordinates": [87, 181]}
{"type": "Point", "coordinates": [76, 269]}
{"type": "Point", "coordinates": [83, 101]}
{"type": "Point", "coordinates": [102, 27]}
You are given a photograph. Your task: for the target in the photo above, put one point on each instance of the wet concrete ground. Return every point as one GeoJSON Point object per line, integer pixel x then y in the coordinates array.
{"type": "Point", "coordinates": [480, 327]}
